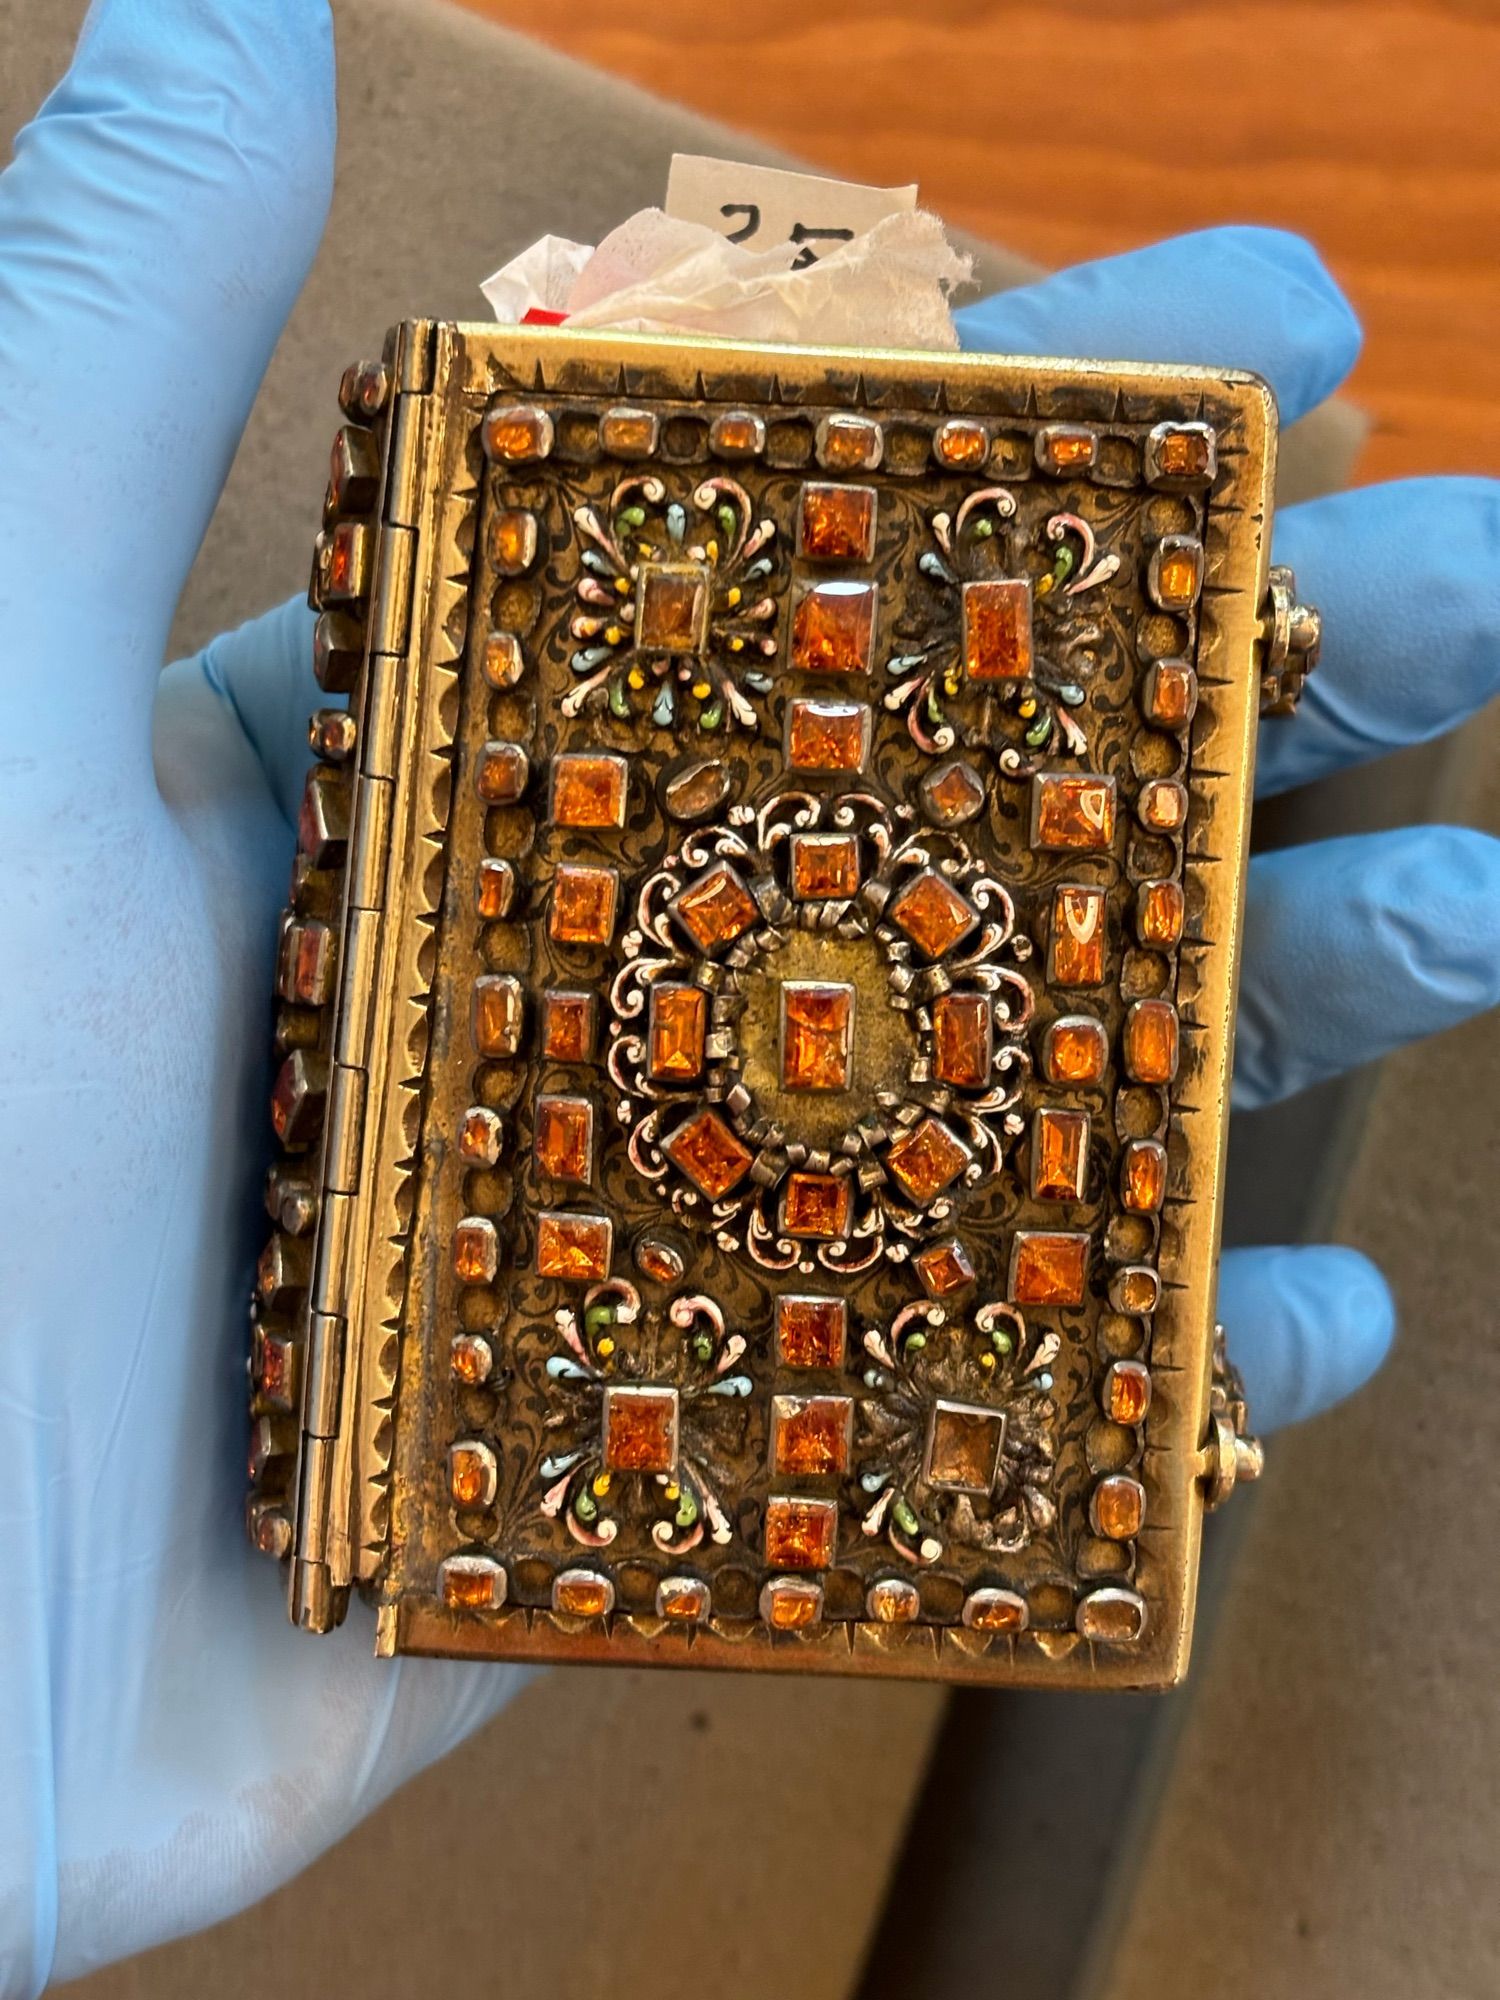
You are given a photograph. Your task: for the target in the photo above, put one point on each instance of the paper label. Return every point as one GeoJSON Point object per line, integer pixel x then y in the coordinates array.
{"type": "Point", "coordinates": [762, 206]}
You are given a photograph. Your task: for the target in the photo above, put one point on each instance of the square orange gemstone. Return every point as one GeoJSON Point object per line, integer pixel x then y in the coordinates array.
{"type": "Point", "coordinates": [568, 1025]}
{"type": "Point", "coordinates": [944, 1268]}
{"type": "Point", "coordinates": [927, 1159]}
{"type": "Point", "coordinates": [801, 1534]}
{"type": "Point", "coordinates": [678, 1027]}
{"type": "Point", "coordinates": [1075, 1050]}
{"type": "Point", "coordinates": [1150, 1051]}
{"type": "Point", "coordinates": [1176, 572]}
{"type": "Point", "coordinates": [963, 1447]}
{"type": "Point", "coordinates": [1077, 937]}
{"type": "Point", "coordinates": [827, 736]}
{"type": "Point", "coordinates": [1170, 694]}
{"type": "Point", "coordinates": [810, 1435]}
{"type": "Point", "coordinates": [963, 1034]}
{"type": "Point", "coordinates": [1072, 812]}
{"type": "Point", "coordinates": [817, 1034]}
{"type": "Point", "coordinates": [1048, 1267]}
{"type": "Point", "coordinates": [710, 1154]}
{"type": "Point", "coordinates": [1143, 1176]}
{"type": "Point", "coordinates": [1059, 1154]}
{"type": "Point", "coordinates": [825, 867]}
{"type": "Point", "coordinates": [584, 902]}
{"type": "Point", "coordinates": [1159, 912]}
{"type": "Point", "coordinates": [573, 1246]}
{"type": "Point", "coordinates": [716, 909]}
{"type": "Point", "coordinates": [849, 444]}
{"type": "Point", "coordinates": [737, 434]}
{"type": "Point", "coordinates": [997, 629]}
{"type": "Point", "coordinates": [931, 912]}
{"type": "Point", "coordinates": [1162, 805]}
{"type": "Point", "coordinates": [496, 1015]}
{"type": "Point", "coordinates": [513, 541]}
{"type": "Point", "coordinates": [671, 608]}
{"type": "Point", "coordinates": [833, 628]}
{"type": "Point", "coordinates": [1181, 451]}
{"type": "Point", "coordinates": [564, 1138]}
{"type": "Point", "coordinates": [836, 523]}
{"type": "Point", "coordinates": [588, 790]}
{"type": "Point", "coordinates": [817, 1207]}
{"type": "Point", "coordinates": [515, 432]}
{"type": "Point", "coordinates": [811, 1332]}
{"type": "Point", "coordinates": [640, 1428]}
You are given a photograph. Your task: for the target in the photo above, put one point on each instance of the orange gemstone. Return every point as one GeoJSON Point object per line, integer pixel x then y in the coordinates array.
{"type": "Point", "coordinates": [472, 1359]}
{"type": "Point", "coordinates": [495, 890]}
{"type": "Point", "coordinates": [332, 734]}
{"type": "Point", "coordinates": [588, 790]}
{"type": "Point", "coordinates": [1059, 1154]}
{"type": "Point", "coordinates": [788, 1606]}
{"type": "Point", "coordinates": [686, 1600]}
{"type": "Point", "coordinates": [926, 1159]}
{"type": "Point", "coordinates": [584, 902]}
{"type": "Point", "coordinates": [1159, 911]}
{"type": "Point", "coordinates": [284, 1270]}
{"type": "Point", "coordinates": [304, 974]}
{"type": "Point", "coordinates": [961, 445]}
{"type": "Point", "coordinates": [503, 660]}
{"type": "Point", "coordinates": [716, 909]}
{"type": "Point", "coordinates": [1066, 448]}
{"type": "Point", "coordinates": [1127, 1392]}
{"type": "Point", "coordinates": [1075, 1050]}
{"type": "Point", "coordinates": [1048, 1267]}
{"type": "Point", "coordinates": [707, 1151]}
{"type": "Point", "coordinates": [811, 1332]}
{"type": "Point", "coordinates": [275, 1364]}
{"type": "Point", "coordinates": [932, 913]}
{"type": "Point", "coordinates": [1181, 451]}
{"type": "Point", "coordinates": [581, 1593]}
{"type": "Point", "coordinates": [512, 433]}
{"type": "Point", "coordinates": [472, 1474]}
{"type": "Point", "coordinates": [476, 1251]}
{"type": "Point", "coordinates": [801, 1534]}
{"type": "Point", "coordinates": [565, 1138]}
{"type": "Point", "coordinates": [640, 1429]}
{"type": "Point", "coordinates": [297, 1099]}
{"type": "Point", "coordinates": [513, 541]}
{"type": "Point", "coordinates": [1150, 1050]}
{"type": "Point", "coordinates": [497, 1014]}
{"type": "Point", "coordinates": [678, 1026]}
{"type": "Point", "coordinates": [471, 1583]}
{"type": "Point", "coordinates": [1134, 1288]}
{"type": "Point", "coordinates": [627, 433]}
{"type": "Point", "coordinates": [658, 1260]}
{"type": "Point", "coordinates": [849, 444]}
{"type": "Point", "coordinates": [1078, 937]}
{"type": "Point", "coordinates": [837, 523]}
{"type": "Point", "coordinates": [346, 558]}
{"type": "Point", "coordinates": [995, 1611]}
{"type": "Point", "coordinates": [737, 434]}
{"type": "Point", "coordinates": [577, 1247]}
{"type": "Point", "coordinates": [953, 794]}
{"type": "Point", "coordinates": [1170, 694]}
{"type": "Point", "coordinates": [810, 1435]}
{"type": "Point", "coordinates": [817, 1207]}
{"type": "Point", "coordinates": [824, 867]}
{"type": "Point", "coordinates": [997, 629]}
{"type": "Point", "coordinates": [963, 1447]}
{"type": "Point", "coordinates": [501, 774]}
{"type": "Point", "coordinates": [568, 1025]}
{"type": "Point", "coordinates": [833, 628]}
{"type": "Point", "coordinates": [1112, 1617]}
{"type": "Point", "coordinates": [893, 1601]}
{"type": "Point", "coordinates": [944, 1268]}
{"type": "Point", "coordinates": [479, 1136]}
{"type": "Point", "coordinates": [963, 1034]}
{"type": "Point", "coordinates": [1143, 1176]}
{"type": "Point", "coordinates": [1162, 805]}
{"type": "Point", "coordinates": [827, 736]}
{"type": "Point", "coordinates": [1069, 811]}
{"type": "Point", "coordinates": [671, 607]}
{"type": "Point", "coordinates": [817, 1034]}
{"type": "Point", "coordinates": [1176, 572]}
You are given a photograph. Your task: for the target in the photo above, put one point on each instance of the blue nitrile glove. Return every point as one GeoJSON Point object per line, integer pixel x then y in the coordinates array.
{"type": "Point", "coordinates": [169, 1748]}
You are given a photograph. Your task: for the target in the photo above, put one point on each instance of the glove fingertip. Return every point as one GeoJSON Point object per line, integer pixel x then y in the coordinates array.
{"type": "Point", "coordinates": [1308, 1326]}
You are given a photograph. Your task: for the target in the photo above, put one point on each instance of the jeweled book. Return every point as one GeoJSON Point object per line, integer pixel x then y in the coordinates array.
{"type": "Point", "coordinates": [755, 1006]}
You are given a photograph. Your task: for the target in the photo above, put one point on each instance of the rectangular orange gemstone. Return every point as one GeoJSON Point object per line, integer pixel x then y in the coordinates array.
{"type": "Point", "coordinates": [476, 1251]}
{"type": "Point", "coordinates": [817, 1034]}
{"type": "Point", "coordinates": [1059, 1154]}
{"type": "Point", "coordinates": [836, 523]}
{"type": "Point", "coordinates": [1176, 572]}
{"type": "Point", "coordinates": [827, 736]}
{"type": "Point", "coordinates": [791, 1607]}
{"type": "Point", "coordinates": [926, 1159]}
{"type": "Point", "coordinates": [1170, 694]}
{"type": "Point", "coordinates": [1117, 1508]}
{"type": "Point", "coordinates": [584, 902]}
{"type": "Point", "coordinates": [1127, 1392]}
{"type": "Point", "coordinates": [825, 867]}
{"type": "Point", "coordinates": [671, 607]}
{"type": "Point", "coordinates": [710, 1154]}
{"type": "Point", "coordinates": [833, 628]}
{"type": "Point", "coordinates": [811, 1332]}
{"type": "Point", "coordinates": [1075, 1050]}
{"type": "Point", "coordinates": [573, 1246]}
{"type": "Point", "coordinates": [1066, 448]}
{"type": "Point", "coordinates": [810, 1435]}
{"type": "Point", "coordinates": [472, 1583]}
{"type": "Point", "coordinates": [716, 909]}
{"type": "Point", "coordinates": [1150, 1051]}
{"type": "Point", "coordinates": [1159, 912]}
{"type": "Point", "coordinates": [963, 1033]}
{"type": "Point", "coordinates": [564, 1138]}
{"type": "Point", "coordinates": [628, 433]}
{"type": "Point", "coordinates": [640, 1428]}
{"type": "Point", "coordinates": [515, 432]}
{"type": "Point", "coordinates": [997, 629]}
{"type": "Point", "coordinates": [1048, 1267]}
{"type": "Point", "coordinates": [932, 913]}
{"type": "Point", "coordinates": [1072, 812]}
{"type": "Point", "coordinates": [817, 1207]}
{"type": "Point", "coordinates": [849, 444]}
{"type": "Point", "coordinates": [501, 775]}
{"type": "Point", "coordinates": [513, 541]}
{"type": "Point", "coordinates": [1143, 1176]}
{"type": "Point", "coordinates": [1181, 451]}
{"type": "Point", "coordinates": [495, 890]}
{"type": "Point", "coordinates": [737, 434]}
{"type": "Point", "coordinates": [677, 1031]}
{"type": "Point", "coordinates": [588, 790]}
{"type": "Point", "coordinates": [568, 1025]}
{"type": "Point", "coordinates": [582, 1594]}
{"type": "Point", "coordinates": [1077, 937]}
{"type": "Point", "coordinates": [963, 1446]}
{"type": "Point", "coordinates": [496, 1015]}
{"type": "Point", "coordinates": [801, 1534]}
{"type": "Point", "coordinates": [961, 444]}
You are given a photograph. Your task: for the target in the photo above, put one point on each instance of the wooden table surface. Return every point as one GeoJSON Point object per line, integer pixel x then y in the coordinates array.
{"type": "Point", "coordinates": [1069, 131]}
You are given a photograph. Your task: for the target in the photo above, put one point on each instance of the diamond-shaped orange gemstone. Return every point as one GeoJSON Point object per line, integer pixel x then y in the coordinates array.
{"type": "Point", "coordinates": [710, 1154]}
{"type": "Point", "coordinates": [810, 1435]}
{"type": "Point", "coordinates": [817, 1207]}
{"type": "Point", "coordinates": [1059, 1154]}
{"type": "Point", "coordinates": [640, 1428]}
{"type": "Point", "coordinates": [671, 607]}
{"type": "Point", "coordinates": [573, 1246]}
{"type": "Point", "coordinates": [963, 1446]}
{"type": "Point", "coordinates": [927, 1159]}
{"type": "Point", "coordinates": [472, 1359]}
{"type": "Point", "coordinates": [953, 794]}
{"type": "Point", "coordinates": [837, 523]}
{"type": "Point", "coordinates": [1127, 1392]}
{"type": "Point", "coordinates": [1075, 1050]}
{"type": "Point", "coordinates": [997, 629]}
{"type": "Point", "coordinates": [963, 1035]}
{"type": "Point", "coordinates": [588, 790]}
{"type": "Point", "coordinates": [811, 1332]}
{"type": "Point", "coordinates": [824, 867]}
{"type": "Point", "coordinates": [584, 902]}
{"type": "Point", "coordinates": [1170, 694]}
{"type": "Point", "coordinates": [1077, 937]}
{"type": "Point", "coordinates": [1072, 812]}
{"type": "Point", "coordinates": [676, 1034]}
{"type": "Point", "coordinates": [716, 909]}
{"type": "Point", "coordinates": [801, 1534]}
{"type": "Point", "coordinates": [1159, 912]}
{"type": "Point", "coordinates": [944, 1268]}
{"type": "Point", "coordinates": [513, 541]}
{"type": "Point", "coordinates": [827, 736]}
{"type": "Point", "coordinates": [565, 1138]}
{"type": "Point", "coordinates": [817, 1034]}
{"type": "Point", "coordinates": [1143, 1176]}
{"type": "Point", "coordinates": [833, 628]}
{"type": "Point", "coordinates": [512, 433]}
{"type": "Point", "coordinates": [932, 913]}
{"type": "Point", "coordinates": [1048, 1267]}
{"type": "Point", "coordinates": [568, 1025]}
{"type": "Point", "coordinates": [1150, 1051]}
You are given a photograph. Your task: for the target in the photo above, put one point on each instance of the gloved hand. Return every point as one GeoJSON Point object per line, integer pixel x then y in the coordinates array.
{"type": "Point", "coordinates": [169, 1748]}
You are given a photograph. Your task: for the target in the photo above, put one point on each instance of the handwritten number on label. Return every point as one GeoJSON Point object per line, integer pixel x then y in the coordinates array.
{"type": "Point", "coordinates": [751, 212]}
